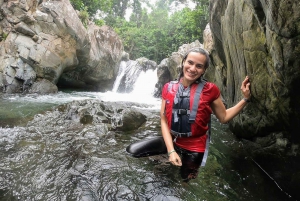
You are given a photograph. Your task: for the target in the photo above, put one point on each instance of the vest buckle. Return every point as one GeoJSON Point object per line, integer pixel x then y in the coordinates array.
{"type": "Point", "coordinates": [183, 111]}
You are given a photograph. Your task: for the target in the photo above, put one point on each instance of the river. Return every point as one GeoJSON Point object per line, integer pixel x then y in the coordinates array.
{"type": "Point", "coordinates": [59, 164]}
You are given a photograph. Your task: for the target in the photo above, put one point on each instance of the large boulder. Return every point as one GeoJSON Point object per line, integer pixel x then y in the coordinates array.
{"type": "Point", "coordinates": [98, 70]}
{"type": "Point", "coordinates": [261, 39]}
{"type": "Point", "coordinates": [46, 39]}
{"type": "Point", "coordinates": [112, 116]}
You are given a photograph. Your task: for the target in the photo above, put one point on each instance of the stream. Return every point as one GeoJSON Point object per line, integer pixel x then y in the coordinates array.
{"type": "Point", "coordinates": [61, 164]}
{"type": "Point", "coordinates": [65, 164]}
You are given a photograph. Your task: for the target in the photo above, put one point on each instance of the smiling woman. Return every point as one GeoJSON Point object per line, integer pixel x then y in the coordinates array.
{"type": "Point", "coordinates": [187, 105]}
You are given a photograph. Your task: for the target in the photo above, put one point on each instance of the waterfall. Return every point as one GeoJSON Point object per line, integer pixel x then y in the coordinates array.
{"type": "Point", "coordinates": [135, 80]}
{"type": "Point", "coordinates": [145, 83]}
{"type": "Point", "coordinates": [120, 76]}
{"type": "Point", "coordinates": [141, 82]}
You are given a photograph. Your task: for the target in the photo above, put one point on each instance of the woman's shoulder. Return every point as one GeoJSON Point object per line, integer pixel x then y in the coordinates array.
{"type": "Point", "coordinates": [212, 89]}
{"type": "Point", "coordinates": [211, 85]}
{"type": "Point", "coordinates": [207, 86]}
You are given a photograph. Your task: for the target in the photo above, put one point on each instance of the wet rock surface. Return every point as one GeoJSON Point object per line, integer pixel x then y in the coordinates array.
{"type": "Point", "coordinates": [261, 39]}
{"type": "Point", "coordinates": [47, 40]}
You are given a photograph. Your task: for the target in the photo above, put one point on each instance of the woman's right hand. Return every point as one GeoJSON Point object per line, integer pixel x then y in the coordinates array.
{"type": "Point", "coordinates": [175, 159]}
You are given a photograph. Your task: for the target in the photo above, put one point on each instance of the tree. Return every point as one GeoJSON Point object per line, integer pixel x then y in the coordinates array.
{"type": "Point", "coordinates": [92, 6]}
{"type": "Point", "coordinates": [119, 8]}
{"type": "Point", "coordinates": [154, 35]}
{"type": "Point", "coordinates": [137, 13]}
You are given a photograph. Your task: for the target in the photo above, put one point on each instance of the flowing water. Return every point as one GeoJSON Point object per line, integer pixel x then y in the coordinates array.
{"type": "Point", "coordinates": [58, 163]}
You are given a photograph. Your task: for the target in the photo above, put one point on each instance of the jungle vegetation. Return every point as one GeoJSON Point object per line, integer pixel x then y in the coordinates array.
{"type": "Point", "coordinates": [151, 30]}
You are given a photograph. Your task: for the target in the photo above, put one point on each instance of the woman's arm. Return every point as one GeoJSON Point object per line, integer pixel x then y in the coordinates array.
{"type": "Point", "coordinates": [226, 115]}
{"type": "Point", "coordinates": [173, 156]}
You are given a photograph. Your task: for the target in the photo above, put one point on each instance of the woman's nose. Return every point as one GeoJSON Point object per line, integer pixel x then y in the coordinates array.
{"type": "Point", "coordinates": [193, 67]}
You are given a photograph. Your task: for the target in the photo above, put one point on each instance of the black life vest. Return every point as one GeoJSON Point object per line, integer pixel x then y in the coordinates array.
{"type": "Point", "coordinates": [182, 116]}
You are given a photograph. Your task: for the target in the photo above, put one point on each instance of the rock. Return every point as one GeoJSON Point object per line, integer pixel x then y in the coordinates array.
{"type": "Point", "coordinates": [98, 69]}
{"type": "Point", "coordinates": [1, 82]}
{"type": "Point", "coordinates": [260, 39]}
{"type": "Point", "coordinates": [250, 40]}
{"type": "Point", "coordinates": [116, 116]}
{"type": "Point", "coordinates": [43, 87]}
{"type": "Point", "coordinates": [132, 119]}
{"type": "Point", "coordinates": [24, 29]}
{"type": "Point", "coordinates": [53, 44]}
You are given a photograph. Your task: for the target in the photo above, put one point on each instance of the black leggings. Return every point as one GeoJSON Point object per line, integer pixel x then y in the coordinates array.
{"type": "Point", "coordinates": [191, 161]}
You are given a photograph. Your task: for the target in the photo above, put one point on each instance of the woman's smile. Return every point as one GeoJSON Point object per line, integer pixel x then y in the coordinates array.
{"type": "Point", "coordinates": [191, 73]}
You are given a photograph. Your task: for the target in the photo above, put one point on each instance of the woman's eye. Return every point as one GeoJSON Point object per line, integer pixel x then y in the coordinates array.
{"type": "Point", "coordinates": [200, 67]}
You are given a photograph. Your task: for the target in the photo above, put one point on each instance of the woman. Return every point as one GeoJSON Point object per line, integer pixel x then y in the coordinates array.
{"type": "Point", "coordinates": [185, 114]}
{"type": "Point", "coordinates": [186, 141]}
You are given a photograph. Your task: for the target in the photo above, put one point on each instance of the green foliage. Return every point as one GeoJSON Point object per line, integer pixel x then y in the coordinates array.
{"type": "Point", "coordinates": [153, 35]}
{"type": "Point", "coordinates": [84, 16]}
{"type": "Point", "coordinates": [99, 22]}
{"type": "Point", "coordinates": [119, 8]}
{"type": "Point", "coordinates": [92, 6]}
{"type": "Point", "coordinates": [184, 26]}
{"type": "Point", "coordinates": [157, 35]}
{"type": "Point", "coordinates": [77, 4]}
{"type": "Point", "coordinates": [4, 35]}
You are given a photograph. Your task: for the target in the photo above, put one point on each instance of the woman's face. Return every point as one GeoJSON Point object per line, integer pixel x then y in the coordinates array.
{"type": "Point", "coordinates": [193, 67]}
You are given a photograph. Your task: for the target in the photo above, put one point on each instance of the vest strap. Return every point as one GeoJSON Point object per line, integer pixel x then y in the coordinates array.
{"type": "Point", "coordinates": [196, 101]}
{"type": "Point", "coordinates": [204, 159]}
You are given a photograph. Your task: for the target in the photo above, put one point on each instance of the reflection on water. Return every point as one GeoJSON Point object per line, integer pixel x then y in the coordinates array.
{"type": "Point", "coordinates": [46, 162]}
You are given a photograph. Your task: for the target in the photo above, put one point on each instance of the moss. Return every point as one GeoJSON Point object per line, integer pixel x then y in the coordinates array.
{"type": "Point", "coordinates": [3, 36]}
{"type": "Point", "coordinates": [84, 17]}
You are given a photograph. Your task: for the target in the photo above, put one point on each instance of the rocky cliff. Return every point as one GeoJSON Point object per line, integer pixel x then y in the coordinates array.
{"type": "Point", "coordinates": [45, 43]}
{"type": "Point", "coordinates": [260, 38]}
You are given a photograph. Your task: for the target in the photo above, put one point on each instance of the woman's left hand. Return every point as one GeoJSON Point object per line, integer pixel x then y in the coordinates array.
{"type": "Point", "coordinates": [246, 88]}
